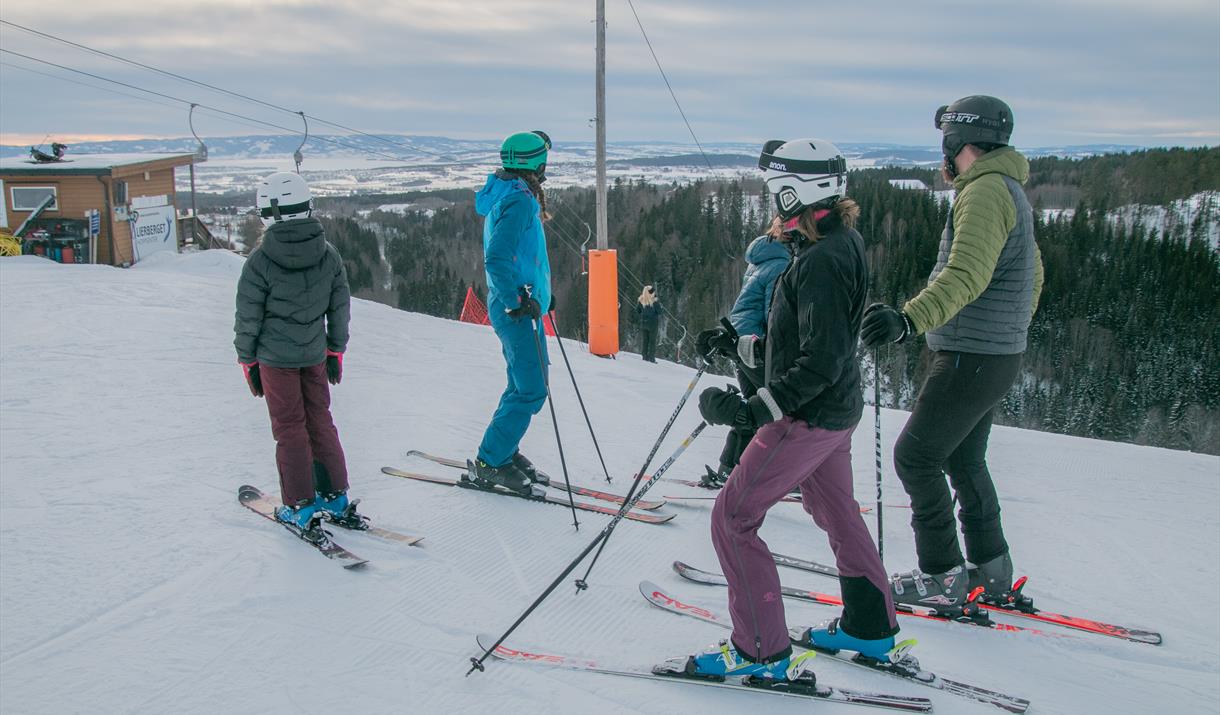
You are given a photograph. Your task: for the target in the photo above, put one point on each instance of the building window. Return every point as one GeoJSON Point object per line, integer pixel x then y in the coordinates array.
{"type": "Point", "coordinates": [120, 193]}
{"type": "Point", "coordinates": [28, 198]}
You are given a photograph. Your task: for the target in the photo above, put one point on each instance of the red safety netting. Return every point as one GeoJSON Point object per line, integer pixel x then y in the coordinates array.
{"type": "Point", "coordinates": [473, 311]}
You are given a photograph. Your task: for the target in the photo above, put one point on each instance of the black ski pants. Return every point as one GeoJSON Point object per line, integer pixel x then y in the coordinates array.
{"type": "Point", "coordinates": [649, 349]}
{"type": "Point", "coordinates": [947, 434]}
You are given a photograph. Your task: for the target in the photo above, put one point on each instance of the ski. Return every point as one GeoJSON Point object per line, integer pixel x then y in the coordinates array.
{"type": "Point", "coordinates": [253, 499]}
{"type": "Point", "coordinates": [365, 527]}
{"type": "Point", "coordinates": [1015, 606]}
{"type": "Point", "coordinates": [673, 670]}
{"type": "Point", "coordinates": [907, 667]}
{"type": "Point", "coordinates": [698, 576]}
{"type": "Point", "coordinates": [539, 495]}
{"type": "Point", "coordinates": [644, 504]}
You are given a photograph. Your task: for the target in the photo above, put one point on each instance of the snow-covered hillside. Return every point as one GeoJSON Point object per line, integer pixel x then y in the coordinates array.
{"type": "Point", "coordinates": [131, 580]}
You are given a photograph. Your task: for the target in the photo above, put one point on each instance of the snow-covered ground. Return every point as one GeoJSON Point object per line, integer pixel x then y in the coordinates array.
{"type": "Point", "coordinates": [131, 580]}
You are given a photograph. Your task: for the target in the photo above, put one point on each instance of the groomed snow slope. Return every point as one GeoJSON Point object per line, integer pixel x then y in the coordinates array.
{"type": "Point", "coordinates": [131, 580]}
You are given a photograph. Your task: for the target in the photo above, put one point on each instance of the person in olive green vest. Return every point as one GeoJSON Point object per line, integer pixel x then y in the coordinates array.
{"type": "Point", "coordinates": [975, 313]}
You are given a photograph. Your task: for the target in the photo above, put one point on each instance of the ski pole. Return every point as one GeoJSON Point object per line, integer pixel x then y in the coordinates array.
{"type": "Point", "coordinates": [582, 583]}
{"type": "Point", "coordinates": [554, 419]}
{"type": "Point", "coordinates": [477, 663]}
{"type": "Point", "coordinates": [877, 447]}
{"type": "Point", "coordinates": [579, 399]}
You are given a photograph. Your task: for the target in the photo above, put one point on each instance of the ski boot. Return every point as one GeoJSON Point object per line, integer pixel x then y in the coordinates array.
{"type": "Point", "coordinates": [303, 519]}
{"type": "Point", "coordinates": [720, 661]}
{"type": "Point", "coordinates": [506, 477]}
{"type": "Point", "coordinates": [947, 594]}
{"type": "Point", "coordinates": [830, 638]}
{"type": "Point", "coordinates": [336, 508]}
{"type": "Point", "coordinates": [995, 578]}
{"type": "Point", "coordinates": [714, 479]}
{"type": "Point", "coordinates": [531, 472]}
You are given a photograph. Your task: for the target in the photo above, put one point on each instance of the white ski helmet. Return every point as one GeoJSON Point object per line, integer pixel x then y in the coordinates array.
{"type": "Point", "coordinates": [803, 172]}
{"type": "Point", "coordinates": [283, 196]}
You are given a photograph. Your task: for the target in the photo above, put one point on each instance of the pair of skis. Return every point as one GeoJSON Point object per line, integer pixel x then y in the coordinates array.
{"type": "Point", "coordinates": [539, 494]}
{"type": "Point", "coordinates": [256, 501]}
{"type": "Point", "coordinates": [1011, 607]}
{"type": "Point", "coordinates": [902, 664]}
{"type": "Point", "coordinates": [674, 670]}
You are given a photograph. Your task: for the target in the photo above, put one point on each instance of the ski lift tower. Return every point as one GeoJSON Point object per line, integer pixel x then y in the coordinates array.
{"type": "Point", "coordinates": [603, 262]}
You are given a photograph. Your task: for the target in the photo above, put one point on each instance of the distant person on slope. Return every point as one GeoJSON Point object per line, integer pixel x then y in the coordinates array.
{"type": "Point", "coordinates": [648, 311]}
{"type": "Point", "coordinates": [513, 205]}
{"type": "Point", "coordinates": [976, 311]}
{"type": "Point", "coordinates": [805, 413]}
{"type": "Point", "coordinates": [293, 308]}
{"type": "Point", "coordinates": [766, 259]}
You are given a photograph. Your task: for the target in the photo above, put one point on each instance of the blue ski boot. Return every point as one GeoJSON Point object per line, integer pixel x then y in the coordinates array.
{"type": "Point", "coordinates": [829, 637]}
{"type": "Point", "coordinates": [303, 519]}
{"type": "Point", "coordinates": [337, 509]}
{"type": "Point", "coordinates": [723, 659]}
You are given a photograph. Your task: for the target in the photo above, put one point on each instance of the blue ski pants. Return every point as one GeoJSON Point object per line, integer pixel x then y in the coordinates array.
{"type": "Point", "coordinates": [525, 395]}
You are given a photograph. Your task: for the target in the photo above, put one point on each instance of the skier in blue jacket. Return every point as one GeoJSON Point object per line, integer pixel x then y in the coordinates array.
{"type": "Point", "coordinates": [518, 293]}
{"type": "Point", "coordinates": [766, 260]}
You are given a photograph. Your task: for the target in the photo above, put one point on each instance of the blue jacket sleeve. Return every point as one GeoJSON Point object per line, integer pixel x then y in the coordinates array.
{"type": "Point", "coordinates": [767, 274]}
{"type": "Point", "coordinates": [501, 259]}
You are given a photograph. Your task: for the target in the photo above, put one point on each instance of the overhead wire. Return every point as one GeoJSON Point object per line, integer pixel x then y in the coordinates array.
{"type": "Point", "coordinates": [232, 93]}
{"type": "Point", "coordinates": [329, 140]}
{"type": "Point", "coordinates": [668, 85]}
{"type": "Point", "coordinates": [109, 90]}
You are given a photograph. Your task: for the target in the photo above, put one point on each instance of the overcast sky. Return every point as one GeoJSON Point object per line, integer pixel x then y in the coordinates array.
{"type": "Point", "coordinates": [1074, 71]}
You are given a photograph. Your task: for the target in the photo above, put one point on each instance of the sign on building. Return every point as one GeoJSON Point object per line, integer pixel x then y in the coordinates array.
{"type": "Point", "coordinates": [153, 230]}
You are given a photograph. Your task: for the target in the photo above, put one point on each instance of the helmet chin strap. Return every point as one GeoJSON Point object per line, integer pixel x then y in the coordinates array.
{"type": "Point", "coordinates": [275, 210]}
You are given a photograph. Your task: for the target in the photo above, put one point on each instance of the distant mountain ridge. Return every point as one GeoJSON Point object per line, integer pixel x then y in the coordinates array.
{"type": "Point", "coordinates": [415, 149]}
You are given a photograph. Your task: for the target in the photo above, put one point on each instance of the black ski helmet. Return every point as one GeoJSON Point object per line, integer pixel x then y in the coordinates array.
{"type": "Point", "coordinates": [977, 119]}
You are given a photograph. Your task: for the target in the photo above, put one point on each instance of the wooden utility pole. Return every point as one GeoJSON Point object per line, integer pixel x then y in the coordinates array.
{"type": "Point", "coordinates": [602, 226]}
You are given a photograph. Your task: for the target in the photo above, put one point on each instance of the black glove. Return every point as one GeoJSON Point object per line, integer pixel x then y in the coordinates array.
{"type": "Point", "coordinates": [719, 406]}
{"type": "Point", "coordinates": [716, 340]}
{"type": "Point", "coordinates": [726, 407]}
{"type": "Point", "coordinates": [551, 308]}
{"type": "Point", "coordinates": [334, 367]}
{"type": "Point", "coordinates": [529, 307]}
{"type": "Point", "coordinates": [253, 379]}
{"type": "Point", "coordinates": [884, 324]}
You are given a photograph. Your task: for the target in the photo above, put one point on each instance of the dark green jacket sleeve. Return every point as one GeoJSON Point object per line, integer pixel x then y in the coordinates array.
{"type": "Point", "coordinates": [251, 306]}
{"type": "Point", "coordinates": [338, 314]}
{"type": "Point", "coordinates": [983, 217]}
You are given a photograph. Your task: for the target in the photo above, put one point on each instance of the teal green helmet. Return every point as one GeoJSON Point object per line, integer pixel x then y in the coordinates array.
{"type": "Point", "coordinates": [525, 150]}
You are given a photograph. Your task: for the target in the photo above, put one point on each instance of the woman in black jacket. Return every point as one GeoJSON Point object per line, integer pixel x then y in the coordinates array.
{"type": "Point", "coordinates": [805, 414]}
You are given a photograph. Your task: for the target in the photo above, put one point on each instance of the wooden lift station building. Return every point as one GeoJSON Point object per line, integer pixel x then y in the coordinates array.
{"type": "Point", "coordinates": [112, 209]}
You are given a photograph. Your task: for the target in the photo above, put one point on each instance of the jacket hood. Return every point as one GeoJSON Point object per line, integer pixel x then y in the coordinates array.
{"type": "Point", "coordinates": [496, 188]}
{"type": "Point", "coordinates": [296, 244]}
{"type": "Point", "coordinates": [764, 248]}
{"type": "Point", "coordinates": [1005, 160]}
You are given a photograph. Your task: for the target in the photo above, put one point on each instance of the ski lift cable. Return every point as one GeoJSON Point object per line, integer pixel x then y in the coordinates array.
{"type": "Point", "coordinates": [239, 95]}
{"type": "Point", "coordinates": [668, 85]}
{"type": "Point", "coordinates": [110, 90]}
{"type": "Point", "coordinates": [214, 109]}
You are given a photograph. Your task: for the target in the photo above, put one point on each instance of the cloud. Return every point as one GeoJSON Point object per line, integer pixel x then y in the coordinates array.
{"type": "Point", "coordinates": [871, 70]}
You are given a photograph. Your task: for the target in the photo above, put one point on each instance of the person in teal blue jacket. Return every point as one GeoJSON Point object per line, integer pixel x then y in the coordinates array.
{"type": "Point", "coordinates": [766, 260]}
{"type": "Point", "coordinates": [518, 271]}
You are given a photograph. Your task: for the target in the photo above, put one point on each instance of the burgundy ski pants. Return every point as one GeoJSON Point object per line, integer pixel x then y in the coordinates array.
{"type": "Point", "coordinates": [783, 455]}
{"type": "Point", "coordinates": [298, 399]}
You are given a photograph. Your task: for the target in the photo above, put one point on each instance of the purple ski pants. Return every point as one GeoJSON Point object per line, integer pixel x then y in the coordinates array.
{"type": "Point", "coordinates": [783, 455]}
{"type": "Point", "coordinates": [298, 399]}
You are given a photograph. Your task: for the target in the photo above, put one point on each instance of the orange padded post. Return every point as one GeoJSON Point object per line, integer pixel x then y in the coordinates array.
{"type": "Point", "coordinates": [603, 302]}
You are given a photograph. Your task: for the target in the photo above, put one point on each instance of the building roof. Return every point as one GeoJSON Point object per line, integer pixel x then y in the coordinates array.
{"type": "Point", "coordinates": [91, 164]}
